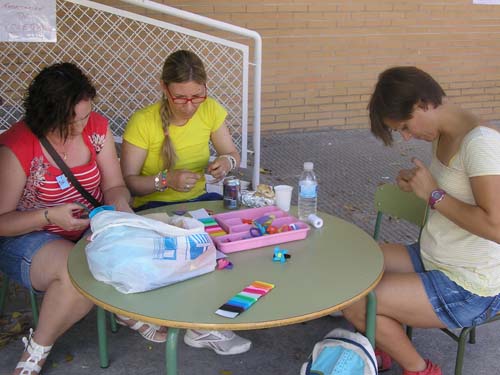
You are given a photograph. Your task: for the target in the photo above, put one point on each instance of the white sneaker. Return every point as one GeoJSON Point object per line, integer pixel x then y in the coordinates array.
{"type": "Point", "coordinates": [221, 342]}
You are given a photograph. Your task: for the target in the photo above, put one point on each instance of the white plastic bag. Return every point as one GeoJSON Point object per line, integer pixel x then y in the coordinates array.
{"type": "Point", "coordinates": [136, 253]}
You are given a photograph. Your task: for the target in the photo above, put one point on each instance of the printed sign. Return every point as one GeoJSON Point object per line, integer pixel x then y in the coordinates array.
{"type": "Point", "coordinates": [28, 21]}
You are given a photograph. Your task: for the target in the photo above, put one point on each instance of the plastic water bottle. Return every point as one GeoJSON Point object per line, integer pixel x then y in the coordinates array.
{"type": "Point", "coordinates": [308, 192]}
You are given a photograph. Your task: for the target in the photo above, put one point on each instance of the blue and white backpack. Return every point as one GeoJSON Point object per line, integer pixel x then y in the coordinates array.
{"type": "Point", "coordinates": [341, 352]}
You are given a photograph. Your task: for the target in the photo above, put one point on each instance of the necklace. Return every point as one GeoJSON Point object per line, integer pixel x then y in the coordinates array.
{"type": "Point", "coordinates": [63, 153]}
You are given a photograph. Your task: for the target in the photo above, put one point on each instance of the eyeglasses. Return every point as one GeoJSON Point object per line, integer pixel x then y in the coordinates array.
{"type": "Point", "coordinates": [181, 100]}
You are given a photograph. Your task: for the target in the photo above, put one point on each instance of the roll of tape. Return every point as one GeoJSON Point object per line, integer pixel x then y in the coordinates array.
{"type": "Point", "coordinates": [315, 221]}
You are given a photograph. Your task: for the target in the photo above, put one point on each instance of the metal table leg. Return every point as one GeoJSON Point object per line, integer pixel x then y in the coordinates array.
{"type": "Point", "coordinates": [371, 315]}
{"type": "Point", "coordinates": [171, 351]}
{"type": "Point", "coordinates": [103, 340]}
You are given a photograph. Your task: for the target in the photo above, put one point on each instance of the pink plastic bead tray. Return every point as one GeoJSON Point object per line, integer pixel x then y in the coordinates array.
{"type": "Point", "coordinates": [238, 233]}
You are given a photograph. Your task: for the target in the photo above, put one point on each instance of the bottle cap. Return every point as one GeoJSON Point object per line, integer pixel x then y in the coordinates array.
{"type": "Point", "coordinates": [308, 166]}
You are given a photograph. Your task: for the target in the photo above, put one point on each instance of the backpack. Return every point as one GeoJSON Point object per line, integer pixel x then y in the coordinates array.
{"type": "Point", "coordinates": [341, 352]}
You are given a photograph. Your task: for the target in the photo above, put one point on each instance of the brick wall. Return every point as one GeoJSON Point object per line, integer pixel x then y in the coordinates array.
{"type": "Point", "coordinates": [321, 58]}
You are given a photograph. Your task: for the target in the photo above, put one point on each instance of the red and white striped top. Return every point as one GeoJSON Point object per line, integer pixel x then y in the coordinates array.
{"type": "Point", "coordinates": [42, 189]}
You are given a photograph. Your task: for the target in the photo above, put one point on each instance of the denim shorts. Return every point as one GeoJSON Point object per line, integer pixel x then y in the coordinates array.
{"type": "Point", "coordinates": [455, 306]}
{"type": "Point", "coordinates": [17, 252]}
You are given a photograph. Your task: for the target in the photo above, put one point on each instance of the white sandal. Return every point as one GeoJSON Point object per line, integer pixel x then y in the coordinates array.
{"type": "Point", "coordinates": [37, 353]}
{"type": "Point", "coordinates": [148, 334]}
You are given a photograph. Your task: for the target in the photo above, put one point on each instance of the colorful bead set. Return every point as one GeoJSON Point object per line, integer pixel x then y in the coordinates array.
{"type": "Point", "coordinates": [244, 299]}
{"type": "Point", "coordinates": [212, 227]}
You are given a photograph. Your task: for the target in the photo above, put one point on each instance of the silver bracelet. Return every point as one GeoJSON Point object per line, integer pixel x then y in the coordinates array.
{"type": "Point", "coordinates": [232, 161]}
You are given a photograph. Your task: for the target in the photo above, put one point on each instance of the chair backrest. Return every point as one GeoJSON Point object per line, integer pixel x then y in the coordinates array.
{"type": "Point", "coordinates": [391, 200]}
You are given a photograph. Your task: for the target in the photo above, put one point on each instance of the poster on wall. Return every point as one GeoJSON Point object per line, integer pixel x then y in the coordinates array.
{"type": "Point", "coordinates": [28, 21]}
{"type": "Point", "coordinates": [486, 2]}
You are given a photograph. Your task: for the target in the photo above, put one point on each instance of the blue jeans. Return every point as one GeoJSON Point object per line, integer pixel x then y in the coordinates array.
{"type": "Point", "coordinates": [16, 254]}
{"type": "Point", "coordinates": [203, 197]}
{"type": "Point", "coordinates": [455, 306]}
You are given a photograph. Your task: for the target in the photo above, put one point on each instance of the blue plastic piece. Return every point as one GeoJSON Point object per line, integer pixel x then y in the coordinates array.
{"type": "Point", "coordinates": [101, 208]}
{"type": "Point", "coordinates": [280, 255]}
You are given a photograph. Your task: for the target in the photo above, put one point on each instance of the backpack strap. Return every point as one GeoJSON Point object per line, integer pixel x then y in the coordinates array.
{"type": "Point", "coordinates": [309, 365]}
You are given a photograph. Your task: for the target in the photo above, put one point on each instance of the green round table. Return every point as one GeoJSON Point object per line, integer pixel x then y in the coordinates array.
{"type": "Point", "coordinates": [330, 269]}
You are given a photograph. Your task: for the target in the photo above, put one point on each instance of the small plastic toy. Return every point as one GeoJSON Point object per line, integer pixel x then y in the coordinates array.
{"type": "Point", "coordinates": [280, 255]}
{"type": "Point", "coordinates": [271, 229]}
{"type": "Point", "coordinates": [265, 220]}
{"type": "Point", "coordinates": [258, 230]}
{"type": "Point", "coordinates": [255, 232]}
{"type": "Point", "coordinates": [284, 228]}
{"type": "Point", "coordinates": [223, 263]}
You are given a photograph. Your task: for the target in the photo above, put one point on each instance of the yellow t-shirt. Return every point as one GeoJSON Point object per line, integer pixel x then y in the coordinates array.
{"type": "Point", "coordinates": [191, 143]}
{"type": "Point", "coordinates": [471, 261]}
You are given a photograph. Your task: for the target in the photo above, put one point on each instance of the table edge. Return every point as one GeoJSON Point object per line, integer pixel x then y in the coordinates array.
{"type": "Point", "coordinates": [231, 326]}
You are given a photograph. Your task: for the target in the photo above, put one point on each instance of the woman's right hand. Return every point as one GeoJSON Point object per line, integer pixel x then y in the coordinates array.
{"type": "Point", "coordinates": [403, 179]}
{"type": "Point", "coordinates": [418, 180]}
{"type": "Point", "coordinates": [67, 217]}
{"type": "Point", "coordinates": [182, 180]}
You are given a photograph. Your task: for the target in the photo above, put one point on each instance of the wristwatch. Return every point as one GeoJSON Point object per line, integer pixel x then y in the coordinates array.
{"type": "Point", "coordinates": [436, 197]}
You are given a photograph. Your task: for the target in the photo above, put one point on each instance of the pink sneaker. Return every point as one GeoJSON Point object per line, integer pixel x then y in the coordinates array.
{"type": "Point", "coordinates": [431, 369]}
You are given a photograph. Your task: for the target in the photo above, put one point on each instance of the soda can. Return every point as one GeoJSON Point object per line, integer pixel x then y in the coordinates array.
{"type": "Point", "coordinates": [232, 193]}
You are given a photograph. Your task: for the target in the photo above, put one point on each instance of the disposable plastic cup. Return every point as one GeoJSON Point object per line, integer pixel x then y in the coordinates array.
{"type": "Point", "coordinates": [283, 196]}
{"type": "Point", "coordinates": [245, 185]}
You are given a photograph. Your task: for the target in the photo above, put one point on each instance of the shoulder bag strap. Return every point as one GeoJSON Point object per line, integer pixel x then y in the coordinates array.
{"type": "Point", "coordinates": [67, 172]}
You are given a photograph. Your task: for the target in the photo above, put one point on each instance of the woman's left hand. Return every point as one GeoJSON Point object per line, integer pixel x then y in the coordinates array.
{"type": "Point", "coordinates": [219, 168]}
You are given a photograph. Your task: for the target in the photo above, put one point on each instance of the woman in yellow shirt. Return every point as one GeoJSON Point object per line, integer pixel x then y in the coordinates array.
{"type": "Point", "coordinates": [165, 148]}
{"type": "Point", "coordinates": [165, 153]}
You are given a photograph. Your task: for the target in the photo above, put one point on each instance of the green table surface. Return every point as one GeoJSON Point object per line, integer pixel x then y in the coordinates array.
{"type": "Point", "coordinates": [331, 268]}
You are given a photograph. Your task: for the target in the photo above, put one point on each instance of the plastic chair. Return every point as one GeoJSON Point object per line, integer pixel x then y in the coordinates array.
{"type": "Point", "coordinates": [101, 320]}
{"type": "Point", "coordinates": [392, 201]}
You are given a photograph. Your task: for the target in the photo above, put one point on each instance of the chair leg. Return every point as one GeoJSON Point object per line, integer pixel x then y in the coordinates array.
{"type": "Point", "coordinates": [3, 293]}
{"type": "Point", "coordinates": [103, 340]}
{"type": "Point", "coordinates": [461, 349]}
{"type": "Point", "coordinates": [472, 335]}
{"type": "Point", "coordinates": [114, 326]}
{"type": "Point", "coordinates": [34, 308]}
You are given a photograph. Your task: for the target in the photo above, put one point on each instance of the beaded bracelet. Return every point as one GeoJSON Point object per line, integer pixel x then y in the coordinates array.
{"type": "Point", "coordinates": [161, 181]}
{"type": "Point", "coordinates": [232, 161]}
{"type": "Point", "coordinates": [164, 179]}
